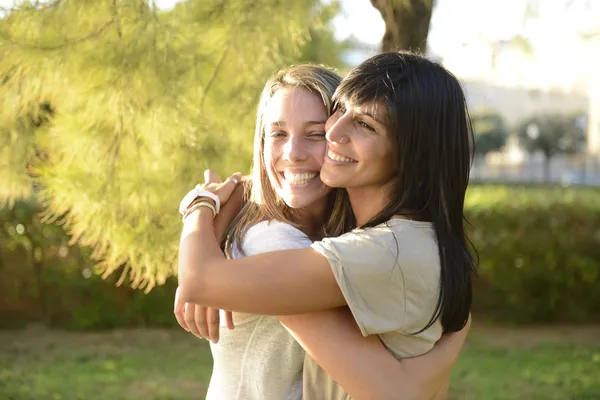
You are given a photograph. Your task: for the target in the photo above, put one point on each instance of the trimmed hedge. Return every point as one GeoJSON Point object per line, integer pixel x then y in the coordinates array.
{"type": "Point", "coordinates": [539, 250]}
{"type": "Point", "coordinates": [44, 280]}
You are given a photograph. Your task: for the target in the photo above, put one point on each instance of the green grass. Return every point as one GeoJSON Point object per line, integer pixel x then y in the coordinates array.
{"type": "Point", "coordinates": [497, 363]}
{"type": "Point", "coordinates": [121, 365]}
{"type": "Point", "coordinates": [529, 363]}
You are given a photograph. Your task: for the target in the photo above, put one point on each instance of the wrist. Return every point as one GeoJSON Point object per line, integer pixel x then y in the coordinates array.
{"type": "Point", "coordinates": [199, 214]}
{"type": "Point", "coordinates": [197, 205]}
{"type": "Point", "coordinates": [199, 193]}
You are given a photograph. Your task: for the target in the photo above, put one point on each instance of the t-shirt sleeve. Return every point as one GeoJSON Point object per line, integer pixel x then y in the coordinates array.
{"type": "Point", "coordinates": [368, 273]}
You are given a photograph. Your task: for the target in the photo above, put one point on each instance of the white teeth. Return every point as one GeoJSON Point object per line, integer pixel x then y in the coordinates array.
{"type": "Point", "coordinates": [336, 157]}
{"type": "Point", "coordinates": [299, 179]}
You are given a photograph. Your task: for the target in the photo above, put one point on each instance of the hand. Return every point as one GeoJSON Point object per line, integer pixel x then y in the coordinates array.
{"type": "Point", "coordinates": [202, 322]}
{"type": "Point", "coordinates": [213, 184]}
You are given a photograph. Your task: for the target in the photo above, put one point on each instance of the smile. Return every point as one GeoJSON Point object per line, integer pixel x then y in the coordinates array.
{"type": "Point", "coordinates": [339, 158]}
{"type": "Point", "coordinates": [302, 178]}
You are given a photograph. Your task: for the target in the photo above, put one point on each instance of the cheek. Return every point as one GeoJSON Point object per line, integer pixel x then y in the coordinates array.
{"type": "Point", "coordinates": [378, 155]}
{"type": "Point", "coordinates": [271, 155]}
{"type": "Point", "coordinates": [387, 161]}
{"type": "Point", "coordinates": [317, 151]}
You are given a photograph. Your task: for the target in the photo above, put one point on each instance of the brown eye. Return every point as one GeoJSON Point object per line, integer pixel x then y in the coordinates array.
{"type": "Point", "coordinates": [366, 126]}
{"type": "Point", "coordinates": [338, 109]}
{"type": "Point", "coordinates": [277, 134]}
{"type": "Point", "coordinates": [317, 135]}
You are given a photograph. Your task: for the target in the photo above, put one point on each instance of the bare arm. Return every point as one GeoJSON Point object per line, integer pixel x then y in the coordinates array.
{"type": "Point", "coordinates": [256, 284]}
{"type": "Point", "coordinates": [363, 366]}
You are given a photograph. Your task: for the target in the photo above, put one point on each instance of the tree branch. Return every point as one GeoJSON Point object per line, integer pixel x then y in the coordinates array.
{"type": "Point", "coordinates": [67, 43]}
{"type": "Point", "coordinates": [214, 74]}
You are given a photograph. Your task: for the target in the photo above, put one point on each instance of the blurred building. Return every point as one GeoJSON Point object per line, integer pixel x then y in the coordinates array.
{"type": "Point", "coordinates": [513, 79]}
{"type": "Point", "coordinates": [518, 80]}
{"type": "Point", "coordinates": [594, 94]}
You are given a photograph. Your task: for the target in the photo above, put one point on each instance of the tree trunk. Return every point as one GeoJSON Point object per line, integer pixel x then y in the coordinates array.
{"type": "Point", "coordinates": [406, 24]}
{"type": "Point", "coordinates": [547, 159]}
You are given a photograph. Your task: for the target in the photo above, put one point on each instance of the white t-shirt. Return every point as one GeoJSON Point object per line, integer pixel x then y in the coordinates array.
{"type": "Point", "coordinates": [259, 359]}
{"type": "Point", "coordinates": [390, 278]}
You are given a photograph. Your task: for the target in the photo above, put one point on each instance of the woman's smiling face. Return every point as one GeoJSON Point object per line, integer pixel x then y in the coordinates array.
{"type": "Point", "coordinates": [360, 152]}
{"type": "Point", "coordinates": [295, 145]}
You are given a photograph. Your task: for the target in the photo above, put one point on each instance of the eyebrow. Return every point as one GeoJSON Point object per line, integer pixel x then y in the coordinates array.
{"type": "Point", "coordinates": [307, 123]}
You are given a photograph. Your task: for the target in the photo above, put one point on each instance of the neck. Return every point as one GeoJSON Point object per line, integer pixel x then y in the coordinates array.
{"type": "Point", "coordinates": [310, 219]}
{"type": "Point", "coordinates": [367, 202]}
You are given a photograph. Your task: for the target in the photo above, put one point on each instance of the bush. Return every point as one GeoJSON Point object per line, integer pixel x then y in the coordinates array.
{"type": "Point", "coordinates": [539, 250]}
{"type": "Point", "coordinates": [47, 281]}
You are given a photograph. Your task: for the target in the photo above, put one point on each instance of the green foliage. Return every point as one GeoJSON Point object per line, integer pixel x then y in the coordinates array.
{"type": "Point", "coordinates": [552, 134]}
{"type": "Point", "coordinates": [142, 102]}
{"type": "Point", "coordinates": [490, 131]}
{"type": "Point", "coordinates": [322, 47]}
{"type": "Point", "coordinates": [539, 251]}
{"type": "Point", "coordinates": [46, 280]}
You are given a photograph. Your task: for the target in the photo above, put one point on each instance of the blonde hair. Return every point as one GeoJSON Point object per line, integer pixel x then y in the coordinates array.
{"type": "Point", "coordinates": [262, 201]}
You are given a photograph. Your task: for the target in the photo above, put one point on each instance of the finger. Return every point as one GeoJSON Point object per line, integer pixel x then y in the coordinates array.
{"type": "Point", "coordinates": [190, 315]}
{"type": "Point", "coordinates": [229, 320]}
{"type": "Point", "coordinates": [200, 318]}
{"type": "Point", "coordinates": [226, 188]}
{"type": "Point", "coordinates": [213, 319]}
{"type": "Point", "coordinates": [179, 311]}
{"type": "Point", "coordinates": [211, 177]}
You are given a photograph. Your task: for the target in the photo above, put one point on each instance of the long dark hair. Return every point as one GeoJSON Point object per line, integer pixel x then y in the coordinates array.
{"type": "Point", "coordinates": [428, 121]}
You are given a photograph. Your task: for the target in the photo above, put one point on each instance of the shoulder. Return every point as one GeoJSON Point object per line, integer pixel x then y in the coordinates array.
{"type": "Point", "coordinates": [409, 245]}
{"type": "Point", "coordinates": [271, 236]}
{"type": "Point", "coordinates": [392, 235]}
{"type": "Point", "coordinates": [389, 274]}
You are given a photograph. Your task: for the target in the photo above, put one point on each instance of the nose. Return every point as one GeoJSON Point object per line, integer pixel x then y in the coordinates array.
{"type": "Point", "coordinates": [294, 149]}
{"type": "Point", "coordinates": [336, 128]}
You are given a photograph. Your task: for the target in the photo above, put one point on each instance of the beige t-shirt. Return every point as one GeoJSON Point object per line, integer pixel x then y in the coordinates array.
{"type": "Point", "coordinates": [390, 277]}
{"type": "Point", "coordinates": [259, 359]}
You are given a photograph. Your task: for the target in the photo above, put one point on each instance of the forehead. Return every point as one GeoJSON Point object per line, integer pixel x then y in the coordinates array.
{"type": "Point", "coordinates": [294, 104]}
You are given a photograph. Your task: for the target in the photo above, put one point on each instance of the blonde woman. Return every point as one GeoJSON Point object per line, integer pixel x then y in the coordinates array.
{"type": "Point", "coordinates": [289, 208]}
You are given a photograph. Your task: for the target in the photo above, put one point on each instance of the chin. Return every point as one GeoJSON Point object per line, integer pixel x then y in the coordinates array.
{"type": "Point", "coordinates": [298, 203]}
{"type": "Point", "coordinates": [332, 183]}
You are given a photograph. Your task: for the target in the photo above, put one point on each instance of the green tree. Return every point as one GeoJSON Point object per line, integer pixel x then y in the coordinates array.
{"type": "Point", "coordinates": [406, 23]}
{"type": "Point", "coordinates": [552, 134]}
{"type": "Point", "coordinates": [490, 131]}
{"type": "Point", "coordinates": [112, 109]}
{"type": "Point", "coordinates": [322, 46]}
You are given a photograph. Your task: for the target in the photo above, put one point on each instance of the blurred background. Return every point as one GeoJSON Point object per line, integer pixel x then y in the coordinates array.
{"type": "Point", "coordinates": [111, 109]}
